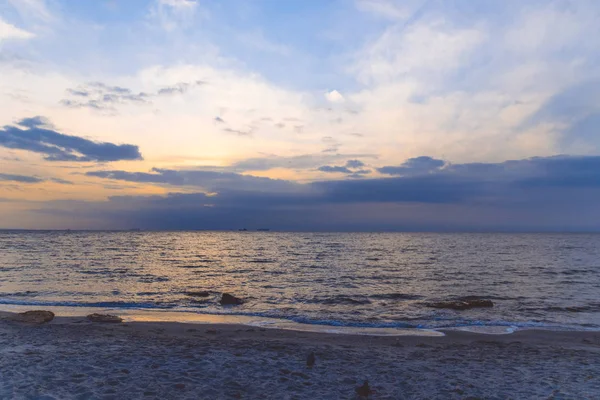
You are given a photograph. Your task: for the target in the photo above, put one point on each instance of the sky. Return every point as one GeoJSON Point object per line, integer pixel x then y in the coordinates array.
{"type": "Point", "coordinates": [367, 115]}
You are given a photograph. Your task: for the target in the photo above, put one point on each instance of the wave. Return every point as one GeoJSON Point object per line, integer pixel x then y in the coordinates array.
{"type": "Point", "coordinates": [437, 323]}
{"type": "Point", "coordinates": [395, 296]}
{"type": "Point", "coordinates": [98, 304]}
{"type": "Point", "coordinates": [591, 307]}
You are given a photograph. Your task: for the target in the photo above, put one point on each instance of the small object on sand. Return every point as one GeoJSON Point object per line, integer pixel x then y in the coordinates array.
{"type": "Point", "coordinates": [310, 360]}
{"type": "Point", "coordinates": [364, 390]}
{"type": "Point", "coordinates": [35, 316]}
{"type": "Point", "coordinates": [104, 318]}
{"type": "Point", "coordinates": [227, 299]}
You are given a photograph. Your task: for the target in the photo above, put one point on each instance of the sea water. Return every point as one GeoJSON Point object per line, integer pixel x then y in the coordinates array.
{"type": "Point", "coordinates": [385, 280]}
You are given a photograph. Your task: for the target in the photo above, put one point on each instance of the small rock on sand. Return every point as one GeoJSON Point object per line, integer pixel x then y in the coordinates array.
{"type": "Point", "coordinates": [364, 390]}
{"type": "Point", "coordinates": [35, 316]}
{"type": "Point", "coordinates": [104, 318]}
{"type": "Point", "coordinates": [227, 299]}
{"type": "Point", "coordinates": [310, 360]}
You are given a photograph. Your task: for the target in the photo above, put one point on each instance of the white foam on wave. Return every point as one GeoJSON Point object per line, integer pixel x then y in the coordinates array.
{"type": "Point", "coordinates": [488, 329]}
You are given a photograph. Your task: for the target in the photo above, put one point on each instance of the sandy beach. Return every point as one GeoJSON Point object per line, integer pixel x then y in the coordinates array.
{"type": "Point", "coordinates": [71, 357]}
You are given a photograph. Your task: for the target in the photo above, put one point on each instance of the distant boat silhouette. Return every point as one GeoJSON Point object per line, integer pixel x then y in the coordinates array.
{"type": "Point", "coordinates": [263, 229]}
{"type": "Point", "coordinates": [242, 230]}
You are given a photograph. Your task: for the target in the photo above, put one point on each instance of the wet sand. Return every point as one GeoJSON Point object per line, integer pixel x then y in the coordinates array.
{"type": "Point", "coordinates": [71, 357]}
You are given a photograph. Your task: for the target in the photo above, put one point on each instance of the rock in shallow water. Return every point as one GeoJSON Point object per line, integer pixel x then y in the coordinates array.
{"type": "Point", "coordinates": [462, 304]}
{"type": "Point", "coordinates": [227, 299]}
{"type": "Point", "coordinates": [35, 317]}
{"type": "Point", "coordinates": [198, 294]}
{"type": "Point", "coordinates": [104, 318]}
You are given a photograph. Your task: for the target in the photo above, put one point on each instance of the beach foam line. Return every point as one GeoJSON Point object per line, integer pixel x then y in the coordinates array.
{"type": "Point", "coordinates": [274, 319]}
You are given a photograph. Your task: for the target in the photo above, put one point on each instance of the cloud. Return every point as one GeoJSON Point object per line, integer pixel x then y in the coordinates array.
{"type": "Point", "coordinates": [389, 9]}
{"type": "Point", "coordinates": [238, 132]}
{"type": "Point", "coordinates": [174, 14]}
{"type": "Point", "coordinates": [354, 164]}
{"type": "Point", "coordinates": [11, 32]}
{"type": "Point", "coordinates": [20, 178]}
{"type": "Point", "coordinates": [352, 167]}
{"type": "Point", "coordinates": [102, 97]}
{"type": "Point", "coordinates": [303, 161]}
{"type": "Point", "coordinates": [536, 193]}
{"type": "Point", "coordinates": [179, 4]}
{"type": "Point", "coordinates": [421, 180]}
{"type": "Point", "coordinates": [334, 96]}
{"type": "Point", "coordinates": [329, 168]}
{"type": "Point", "coordinates": [208, 180]}
{"type": "Point", "coordinates": [413, 166]}
{"type": "Point", "coordinates": [39, 136]}
{"type": "Point", "coordinates": [61, 181]}
{"type": "Point", "coordinates": [31, 179]}
{"type": "Point", "coordinates": [34, 9]}
{"type": "Point", "coordinates": [179, 88]}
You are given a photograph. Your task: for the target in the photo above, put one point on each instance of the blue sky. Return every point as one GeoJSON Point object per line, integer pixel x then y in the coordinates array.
{"type": "Point", "coordinates": [341, 114]}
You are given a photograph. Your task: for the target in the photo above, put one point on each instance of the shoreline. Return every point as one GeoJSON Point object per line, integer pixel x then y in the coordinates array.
{"type": "Point", "coordinates": [71, 357]}
{"type": "Point", "coordinates": [188, 317]}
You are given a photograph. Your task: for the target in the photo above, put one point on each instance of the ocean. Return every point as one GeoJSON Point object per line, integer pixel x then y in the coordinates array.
{"type": "Point", "coordinates": [340, 279]}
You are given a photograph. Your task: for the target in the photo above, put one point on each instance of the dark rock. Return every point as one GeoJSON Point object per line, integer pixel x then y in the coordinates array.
{"type": "Point", "coordinates": [310, 360]}
{"type": "Point", "coordinates": [198, 294]}
{"type": "Point", "coordinates": [227, 299]}
{"type": "Point", "coordinates": [480, 303]}
{"type": "Point", "coordinates": [364, 390]}
{"type": "Point", "coordinates": [104, 318]}
{"type": "Point", "coordinates": [462, 304]}
{"type": "Point", "coordinates": [35, 316]}
{"type": "Point", "coordinates": [211, 331]}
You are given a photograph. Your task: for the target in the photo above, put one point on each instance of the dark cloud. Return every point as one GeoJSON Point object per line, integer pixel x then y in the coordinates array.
{"type": "Point", "coordinates": [61, 181]}
{"type": "Point", "coordinates": [354, 164]}
{"type": "Point", "coordinates": [329, 168]}
{"type": "Point", "coordinates": [31, 179]}
{"type": "Point", "coordinates": [209, 180]}
{"type": "Point", "coordinates": [417, 165]}
{"type": "Point", "coordinates": [20, 178]}
{"type": "Point", "coordinates": [358, 173]}
{"type": "Point", "coordinates": [549, 193]}
{"type": "Point", "coordinates": [40, 136]}
{"type": "Point", "coordinates": [352, 167]}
